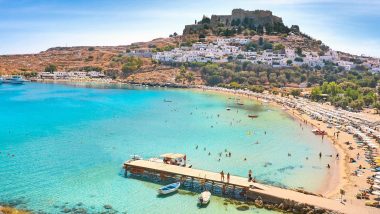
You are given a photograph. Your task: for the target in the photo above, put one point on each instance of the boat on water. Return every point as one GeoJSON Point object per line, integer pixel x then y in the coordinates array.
{"type": "Point", "coordinates": [1, 80]}
{"type": "Point", "coordinates": [228, 109]}
{"type": "Point", "coordinates": [319, 132]}
{"type": "Point", "coordinates": [253, 116]}
{"type": "Point", "coordinates": [204, 198]}
{"type": "Point", "coordinates": [169, 188]}
{"type": "Point", "coordinates": [14, 80]}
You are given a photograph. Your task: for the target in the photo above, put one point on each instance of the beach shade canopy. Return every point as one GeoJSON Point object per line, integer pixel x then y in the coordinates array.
{"type": "Point", "coordinates": [172, 155]}
{"type": "Point", "coordinates": [377, 181]}
{"type": "Point", "coordinates": [376, 186]}
{"type": "Point", "coordinates": [376, 192]}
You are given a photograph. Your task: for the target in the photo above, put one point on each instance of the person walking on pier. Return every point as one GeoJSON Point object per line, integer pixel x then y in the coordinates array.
{"type": "Point", "coordinates": [228, 177]}
{"type": "Point", "coordinates": [222, 175]}
{"type": "Point", "coordinates": [250, 176]}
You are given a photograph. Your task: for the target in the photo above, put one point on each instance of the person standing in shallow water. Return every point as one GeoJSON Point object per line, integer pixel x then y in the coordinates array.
{"type": "Point", "coordinates": [320, 155]}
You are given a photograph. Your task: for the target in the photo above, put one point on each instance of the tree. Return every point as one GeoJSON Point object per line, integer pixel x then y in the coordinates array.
{"type": "Point", "coordinates": [214, 80]}
{"type": "Point", "coordinates": [279, 46]}
{"type": "Point", "coordinates": [369, 99]}
{"type": "Point", "coordinates": [190, 77]}
{"type": "Point", "coordinates": [131, 65]}
{"type": "Point", "coordinates": [235, 85]}
{"type": "Point", "coordinates": [316, 93]}
{"type": "Point", "coordinates": [299, 51]}
{"type": "Point", "coordinates": [377, 107]}
{"type": "Point", "coordinates": [295, 92]}
{"type": "Point", "coordinates": [91, 49]}
{"type": "Point", "coordinates": [289, 62]}
{"type": "Point", "coordinates": [240, 56]}
{"type": "Point", "coordinates": [261, 41]}
{"type": "Point", "coordinates": [205, 20]}
{"type": "Point", "coordinates": [357, 104]}
{"type": "Point", "coordinates": [50, 68]}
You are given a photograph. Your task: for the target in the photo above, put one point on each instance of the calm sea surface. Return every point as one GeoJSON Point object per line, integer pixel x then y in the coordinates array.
{"type": "Point", "coordinates": [63, 146]}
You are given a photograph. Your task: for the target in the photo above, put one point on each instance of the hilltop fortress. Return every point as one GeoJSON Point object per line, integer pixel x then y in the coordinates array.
{"type": "Point", "coordinates": [239, 18]}
{"type": "Point", "coordinates": [259, 17]}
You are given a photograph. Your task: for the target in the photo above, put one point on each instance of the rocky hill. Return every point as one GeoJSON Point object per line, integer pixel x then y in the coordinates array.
{"type": "Point", "coordinates": [254, 25]}
{"type": "Point", "coordinates": [75, 58]}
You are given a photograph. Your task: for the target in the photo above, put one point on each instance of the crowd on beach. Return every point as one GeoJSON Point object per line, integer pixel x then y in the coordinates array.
{"type": "Point", "coordinates": [363, 127]}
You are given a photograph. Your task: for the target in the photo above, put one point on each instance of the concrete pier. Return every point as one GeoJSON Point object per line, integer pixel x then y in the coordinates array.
{"type": "Point", "coordinates": [252, 190]}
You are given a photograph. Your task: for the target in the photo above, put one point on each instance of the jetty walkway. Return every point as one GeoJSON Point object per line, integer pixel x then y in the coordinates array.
{"type": "Point", "coordinates": [253, 190]}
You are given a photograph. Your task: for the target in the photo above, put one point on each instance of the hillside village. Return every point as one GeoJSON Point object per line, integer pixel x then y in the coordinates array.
{"type": "Point", "coordinates": [257, 37]}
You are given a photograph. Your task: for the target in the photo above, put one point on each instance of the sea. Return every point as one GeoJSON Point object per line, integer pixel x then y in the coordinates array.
{"type": "Point", "coordinates": [62, 146]}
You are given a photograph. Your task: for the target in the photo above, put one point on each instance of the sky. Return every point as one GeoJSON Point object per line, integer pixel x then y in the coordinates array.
{"type": "Point", "coordinates": [31, 26]}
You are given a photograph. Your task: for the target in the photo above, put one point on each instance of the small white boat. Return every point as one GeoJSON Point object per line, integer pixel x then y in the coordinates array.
{"type": "Point", "coordinates": [204, 198]}
{"type": "Point", "coordinates": [14, 80]}
{"type": "Point", "coordinates": [169, 188]}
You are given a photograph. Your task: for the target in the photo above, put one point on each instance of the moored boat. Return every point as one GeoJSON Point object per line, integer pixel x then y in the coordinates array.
{"type": "Point", "coordinates": [14, 80]}
{"type": "Point", "coordinates": [204, 198]}
{"type": "Point", "coordinates": [253, 116]}
{"type": "Point", "coordinates": [169, 188]}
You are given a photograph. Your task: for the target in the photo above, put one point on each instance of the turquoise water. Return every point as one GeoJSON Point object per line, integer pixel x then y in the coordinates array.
{"type": "Point", "coordinates": [62, 145]}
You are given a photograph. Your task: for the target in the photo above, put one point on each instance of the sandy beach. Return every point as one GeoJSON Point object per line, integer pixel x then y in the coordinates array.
{"type": "Point", "coordinates": [341, 174]}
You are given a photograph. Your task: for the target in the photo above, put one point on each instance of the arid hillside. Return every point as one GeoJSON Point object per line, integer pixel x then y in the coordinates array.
{"type": "Point", "coordinates": [73, 58]}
